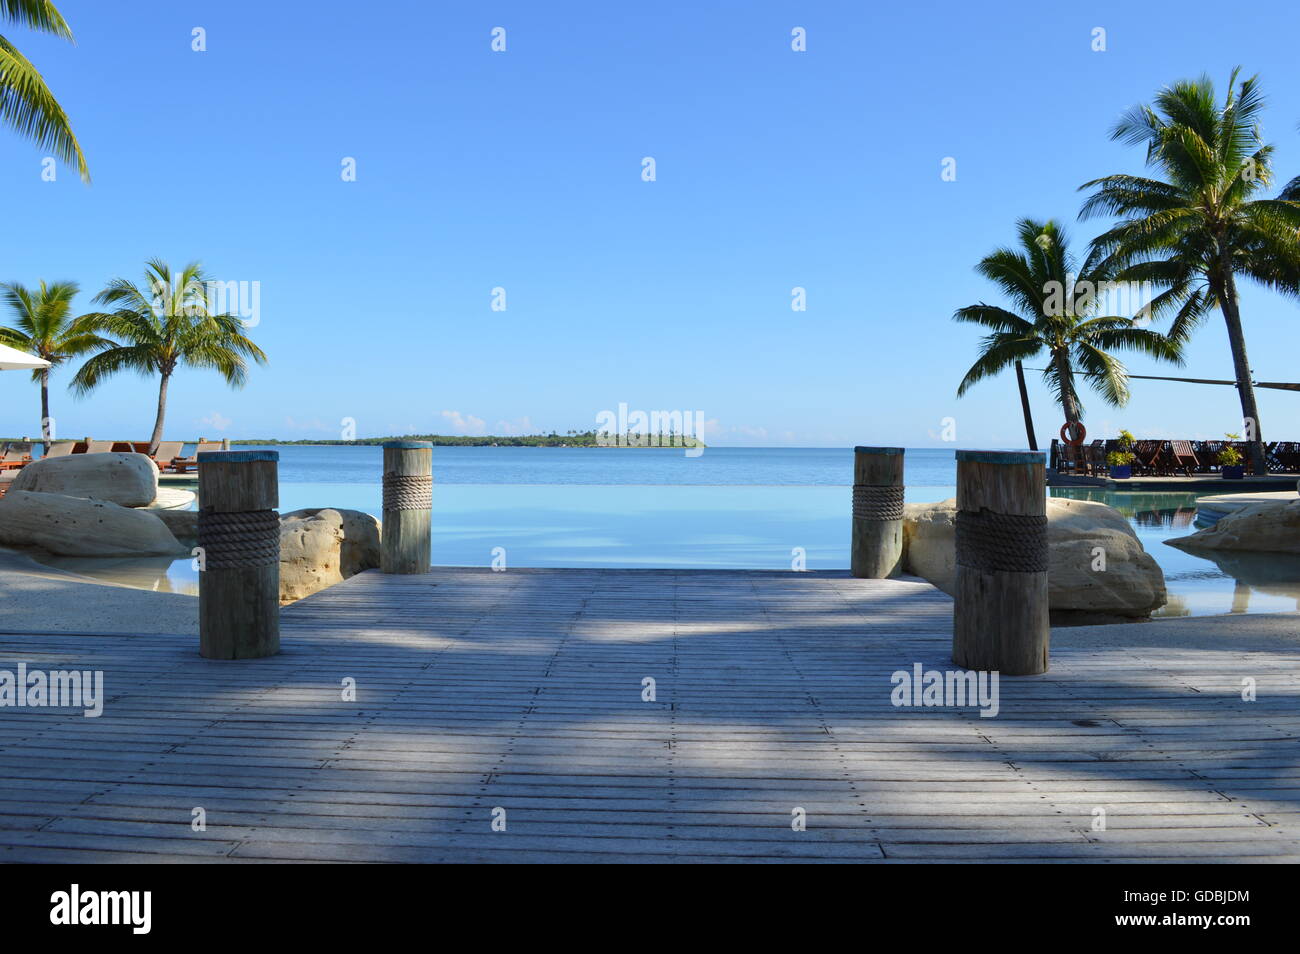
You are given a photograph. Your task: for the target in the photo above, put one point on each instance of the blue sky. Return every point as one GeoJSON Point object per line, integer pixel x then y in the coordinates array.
{"type": "Point", "coordinates": [523, 170]}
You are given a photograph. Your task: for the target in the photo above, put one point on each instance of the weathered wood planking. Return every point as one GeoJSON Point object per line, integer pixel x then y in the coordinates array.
{"type": "Point", "coordinates": [523, 690]}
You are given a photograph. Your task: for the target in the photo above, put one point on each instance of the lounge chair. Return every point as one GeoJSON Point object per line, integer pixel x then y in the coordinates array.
{"type": "Point", "coordinates": [1184, 457]}
{"type": "Point", "coordinates": [167, 453]}
{"type": "Point", "coordinates": [180, 464]}
{"type": "Point", "coordinates": [1148, 454]}
{"type": "Point", "coordinates": [99, 447]}
{"type": "Point", "coordinates": [59, 449]}
{"type": "Point", "coordinates": [17, 454]}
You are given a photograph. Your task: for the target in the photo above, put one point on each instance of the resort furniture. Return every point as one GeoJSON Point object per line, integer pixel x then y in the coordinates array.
{"type": "Point", "coordinates": [99, 447]}
{"type": "Point", "coordinates": [180, 464]}
{"type": "Point", "coordinates": [1184, 457]}
{"type": "Point", "coordinates": [1148, 455]}
{"type": "Point", "coordinates": [60, 449]}
{"type": "Point", "coordinates": [168, 451]}
{"type": "Point", "coordinates": [17, 454]}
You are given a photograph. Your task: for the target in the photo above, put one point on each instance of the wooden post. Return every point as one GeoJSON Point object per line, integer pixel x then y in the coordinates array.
{"type": "Point", "coordinates": [877, 548]}
{"type": "Point", "coordinates": [1000, 620]}
{"type": "Point", "coordinates": [239, 557]}
{"type": "Point", "coordinates": [406, 539]}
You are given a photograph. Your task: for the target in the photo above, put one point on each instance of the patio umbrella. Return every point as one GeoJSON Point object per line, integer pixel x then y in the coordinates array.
{"type": "Point", "coordinates": [14, 360]}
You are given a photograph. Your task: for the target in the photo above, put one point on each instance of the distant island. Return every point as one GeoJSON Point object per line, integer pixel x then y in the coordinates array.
{"type": "Point", "coordinates": [569, 439]}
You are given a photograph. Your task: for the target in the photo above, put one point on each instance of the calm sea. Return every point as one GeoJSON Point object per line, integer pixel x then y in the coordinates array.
{"type": "Point", "coordinates": [753, 508]}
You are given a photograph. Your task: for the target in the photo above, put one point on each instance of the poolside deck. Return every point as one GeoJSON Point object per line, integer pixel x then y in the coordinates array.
{"type": "Point", "coordinates": [522, 690]}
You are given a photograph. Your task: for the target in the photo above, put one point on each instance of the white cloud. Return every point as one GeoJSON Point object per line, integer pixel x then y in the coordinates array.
{"type": "Point", "coordinates": [523, 425]}
{"type": "Point", "coordinates": [465, 423]}
{"type": "Point", "coordinates": [216, 420]}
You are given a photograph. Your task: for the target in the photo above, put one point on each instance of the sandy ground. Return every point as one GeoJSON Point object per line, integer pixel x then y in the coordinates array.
{"type": "Point", "coordinates": [1246, 631]}
{"type": "Point", "coordinates": [35, 598]}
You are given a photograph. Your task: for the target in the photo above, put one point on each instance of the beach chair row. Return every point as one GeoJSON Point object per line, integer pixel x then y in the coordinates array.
{"type": "Point", "coordinates": [169, 458]}
{"type": "Point", "coordinates": [1157, 458]}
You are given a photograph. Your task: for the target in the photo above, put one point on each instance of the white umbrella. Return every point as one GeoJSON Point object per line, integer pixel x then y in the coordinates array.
{"type": "Point", "coordinates": [14, 360]}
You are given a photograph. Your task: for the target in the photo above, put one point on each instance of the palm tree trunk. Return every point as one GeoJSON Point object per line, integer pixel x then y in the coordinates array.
{"type": "Point", "coordinates": [1241, 369]}
{"type": "Point", "coordinates": [1024, 406]}
{"type": "Point", "coordinates": [45, 412]}
{"type": "Point", "coordinates": [1069, 403]}
{"type": "Point", "coordinates": [162, 413]}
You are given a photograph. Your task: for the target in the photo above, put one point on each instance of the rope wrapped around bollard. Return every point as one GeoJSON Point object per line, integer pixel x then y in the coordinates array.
{"type": "Point", "coordinates": [1005, 542]}
{"type": "Point", "coordinates": [872, 502]}
{"type": "Point", "coordinates": [408, 492]}
{"type": "Point", "coordinates": [233, 541]}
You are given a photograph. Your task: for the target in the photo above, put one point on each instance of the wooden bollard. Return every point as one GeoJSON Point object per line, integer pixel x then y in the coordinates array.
{"type": "Point", "coordinates": [239, 554]}
{"type": "Point", "coordinates": [877, 548]}
{"type": "Point", "coordinates": [408, 500]}
{"type": "Point", "coordinates": [1000, 620]}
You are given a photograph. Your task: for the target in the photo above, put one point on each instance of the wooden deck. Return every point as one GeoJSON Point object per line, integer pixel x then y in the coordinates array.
{"type": "Point", "coordinates": [522, 690]}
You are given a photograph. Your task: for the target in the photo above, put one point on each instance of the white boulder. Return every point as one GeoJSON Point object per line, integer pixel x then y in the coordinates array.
{"type": "Point", "coordinates": [319, 548]}
{"type": "Point", "coordinates": [1270, 527]}
{"type": "Point", "coordinates": [130, 480]}
{"type": "Point", "coordinates": [75, 526]}
{"type": "Point", "coordinates": [1131, 583]}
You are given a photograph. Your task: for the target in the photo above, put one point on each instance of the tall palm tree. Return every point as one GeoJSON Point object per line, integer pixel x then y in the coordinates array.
{"type": "Point", "coordinates": [162, 328]}
{"type": "Point", "coordinates": [1052, 312]}
{"type": "Point", "coordinates": [43, 326]}
{"type": "Point", "coordinates": [26, 103]}
{"type": "Point", "coordinates": [1195, 228]}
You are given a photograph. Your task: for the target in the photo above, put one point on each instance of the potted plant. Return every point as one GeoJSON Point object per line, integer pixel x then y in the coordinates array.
{"type": "Point", "coordinates": [1230, 464]}
{"type": "Point", "coordinates": [1120, 464]}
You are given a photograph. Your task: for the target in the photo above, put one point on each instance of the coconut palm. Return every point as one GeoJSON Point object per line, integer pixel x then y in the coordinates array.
{"type": "Point", "coordinates": [43, 326]}
{"type": "Point", "coordinates": [26, 103]}
{"type": "Point", "coordinates": [161, 326]}
{"type": "Point", "coordinates": [1052, 311]}
{"type": "Point", "coordinates": [1195, 228]}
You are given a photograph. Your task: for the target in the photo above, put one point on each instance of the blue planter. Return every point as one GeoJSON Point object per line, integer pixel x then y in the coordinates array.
{"type": "Point", "coordinates": [1234, 473]}
{"type": "Point", "coordinates": [1123, 472]}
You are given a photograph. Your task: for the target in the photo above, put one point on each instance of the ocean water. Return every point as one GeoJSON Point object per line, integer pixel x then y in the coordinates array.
{"type": "Point", "coordinates": [730, 507]}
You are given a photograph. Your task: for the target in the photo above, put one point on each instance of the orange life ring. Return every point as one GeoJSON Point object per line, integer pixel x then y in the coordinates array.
{"type": "Point", "coordinates": [1083, 432]}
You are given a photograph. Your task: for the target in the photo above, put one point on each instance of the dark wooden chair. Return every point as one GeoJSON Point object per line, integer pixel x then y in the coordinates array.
{"type": "Point", "coordinates": [1184, 458]}
{"type": "Point", "coordinates": [1148, 454]}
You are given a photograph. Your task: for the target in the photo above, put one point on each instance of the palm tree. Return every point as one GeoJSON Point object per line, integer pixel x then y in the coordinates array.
{"type": "Point", "coordinates": [168, 326]}
{"type": "Point", "coordinates": [1053, 312]}
{"type": "Point", "coordinates": [1194, 229]}
{"type": "Point", "coordinates": [26, 103]}
{"type": "Point", "coordinates": [43, 327]}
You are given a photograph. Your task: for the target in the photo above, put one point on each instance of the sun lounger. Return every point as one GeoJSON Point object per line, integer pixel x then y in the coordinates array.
{"type": "Point", "coordinates": [1148, 454]}
{"type": "Point", "coordinates": [60, 449]}
{"type": "Point", "coordinates": [180, 464]}
{"type": "Point", "coordinates": [17, 454]}
{"type": "Point", "coordinates": [1184, 458]}
{"type": "Point", "coordinates": [167, 453]}
{"type": "Point", "coordinates": [99, 447]}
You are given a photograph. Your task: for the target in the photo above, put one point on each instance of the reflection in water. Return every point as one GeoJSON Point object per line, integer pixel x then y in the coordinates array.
{"type": "Point", "coordinates": [161, 574]}
{"type": "Point", "coordinates": [1207, 581]}
{"type": "Point", "coordinates": [751, 527]}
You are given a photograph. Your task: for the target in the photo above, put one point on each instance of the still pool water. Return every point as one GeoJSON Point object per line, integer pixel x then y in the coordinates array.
{"type": "Point", "coordinates": [750, 508]}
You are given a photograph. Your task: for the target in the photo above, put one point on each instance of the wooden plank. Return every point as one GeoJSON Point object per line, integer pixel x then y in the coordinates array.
{"type": "Point", "coordinates": [523, 690]}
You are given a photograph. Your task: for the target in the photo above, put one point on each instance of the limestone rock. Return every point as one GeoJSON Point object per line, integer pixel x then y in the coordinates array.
{"type": "Point", "coordinates": [1131, 584]}
{"type": "Point", "coordinates": [184, 524]}
{"type": "Point", "coordinates": [1271, 527]}
{"type": "Point", "coordinates": [130, 480]}
{"type": "Point", "coordinates": [319, 548]}
{"type": "Point", "coordinates": [75, 526]}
